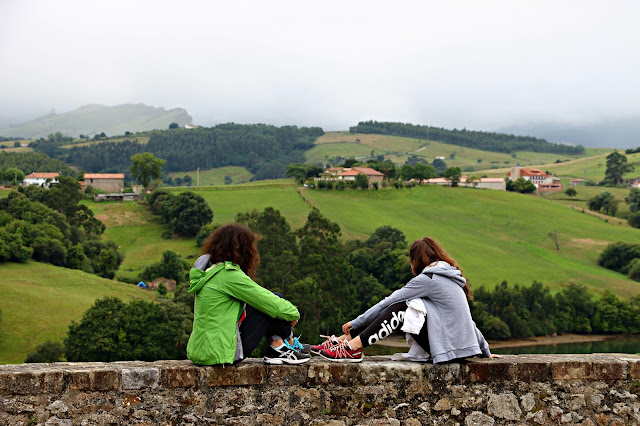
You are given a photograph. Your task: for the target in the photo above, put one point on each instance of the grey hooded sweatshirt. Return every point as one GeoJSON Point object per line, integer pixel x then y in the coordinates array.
{"type": "Point", "coordinates": [452, 332]}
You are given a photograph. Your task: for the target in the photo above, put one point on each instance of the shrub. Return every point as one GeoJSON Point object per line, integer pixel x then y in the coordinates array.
{"type": "Point", "coordinates": [618, 256]}
{"type": "Point", "coordinates": [47, 352]}
{"type": "Point", "coordinates": [634, 220]}
{"type": "Point", "coordinates": [634, 269]}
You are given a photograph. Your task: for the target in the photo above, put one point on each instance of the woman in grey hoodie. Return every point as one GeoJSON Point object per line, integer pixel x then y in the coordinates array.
{"type": "Point", "coordinates": [449, 332]}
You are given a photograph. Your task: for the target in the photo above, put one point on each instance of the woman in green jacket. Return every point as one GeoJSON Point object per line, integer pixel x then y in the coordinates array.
{"type": "Point", "coordinates": [232, 313]}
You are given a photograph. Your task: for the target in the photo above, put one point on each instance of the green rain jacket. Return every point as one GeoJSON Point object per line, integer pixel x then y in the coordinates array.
{"type": "Point", "coordinates": [221, 292]}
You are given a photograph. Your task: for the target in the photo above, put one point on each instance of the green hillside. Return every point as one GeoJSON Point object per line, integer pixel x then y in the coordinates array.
{"type": "Point", "coordinates": [92, 119]}
{"type": "Point", "coordinates": [495, 235]}
{"type": "Point", "coordinates": [216, 176]}
{"type": "Point", "coordinates": [398, 149]}
{"type": "Point", "coordinates": [39, 301]}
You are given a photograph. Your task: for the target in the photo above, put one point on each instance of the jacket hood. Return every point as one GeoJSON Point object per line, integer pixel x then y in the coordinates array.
{"type": "Point", "coordinates": [197, 275]}
{"type": "Point", "coordinates": [444, 269]}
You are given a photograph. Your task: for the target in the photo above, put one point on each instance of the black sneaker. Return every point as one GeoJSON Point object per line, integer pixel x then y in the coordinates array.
{"type": "Point", "coordinates": [284, 356]}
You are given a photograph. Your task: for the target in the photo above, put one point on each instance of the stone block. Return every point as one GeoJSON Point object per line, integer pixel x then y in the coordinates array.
{"type": "Point", "coordinates": [327, 372]}
{"type": "Point", "coordinates": [608, 371]}
{"type": "Point", "coordinates": [93, 380]}
{"type": "Point", "coordinates": [178, 377]}
{"type": "Point", "coordinates": [571, 370]}
{"type": "Point", "coordinates": [491, 371]}
{"type": "Point", "coordinates": [31, 382]}
{"type": "Point", "coordinates": [140, 378]}
{"type": "Point", "coordinates": [533, 372]}
{"type": "Point", "coordinates": [634, 369]}
{"type": "Point", "coordinates": [286, 375]}
{"type": "Point", "coordinates": [235, 375]}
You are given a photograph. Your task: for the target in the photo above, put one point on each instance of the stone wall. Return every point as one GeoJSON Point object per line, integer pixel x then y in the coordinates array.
{"type": "Point", "coordinates": [524, 389]}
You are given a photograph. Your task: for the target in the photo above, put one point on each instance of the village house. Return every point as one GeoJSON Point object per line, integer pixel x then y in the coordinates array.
{"type": "Point", "coordinates": [347, 174]}
{"type": "Point", "coordinates": [41, 179]}
{"type": "Point", "coordinates": [542, 181]}
{"type": "Point", "coordinates": [107, 182]}
{"type": "Point", "coordinates": [497, 184]}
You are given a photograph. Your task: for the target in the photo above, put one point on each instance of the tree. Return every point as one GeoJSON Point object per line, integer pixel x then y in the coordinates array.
{"type": "Point", "coordinates": [423, 171]}
{"type": "Point", "coordinates": [13, 175]}
{"type": "Point", "coordinates": [114, 331]}
{"type": "Point", "coordinates": [521, 185]}
{"type": "Point", "coordinates": [362, 181]}
{"type": "Point", "coordinates": [145, 166]}
{"type": "Point", "coordinates": [616, 167]}
{"type": "Point", "coordinates": [47, 352]}
{"type": "Point", "coordinates": [296, 171]}
{"type": "Point", "coordinates": [453, 174]}
{"type": "Point", "coordinates": [604, 201]}
{"type": "Point", "coordinates": [170, 267]}
{"type": "Point", "coordinates": [633, 199]}
{"type": "Point", "coordinates": [618, 256]}
{"type": "Point", "coordinates": [186, 213]}
{"type": "Point", "coordinates": [173, 126]}
{"type": "Point", "coordinates": [439, 165]}
{"type": "Point", "coordinates": [570, 192]}
{"type": "Point", "coordinates": [634, 220]}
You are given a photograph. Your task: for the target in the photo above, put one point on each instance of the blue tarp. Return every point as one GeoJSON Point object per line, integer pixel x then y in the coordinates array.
{"type": "Point", "coordinates": [142, 284]}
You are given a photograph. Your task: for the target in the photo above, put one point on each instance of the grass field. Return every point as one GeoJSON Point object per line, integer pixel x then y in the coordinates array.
{"type": "Point", "coordinates": [216, 176]}
{"type": "Point", "coordinates": [592, 167]}
{"type": "Point", "coordinates": [139, 236]}
{"type": "Point", "coordinates": [398, 149]}
{"type": "Point", "coordinates": [495, 235]}
{"type": "Point", "coordinates": [141, 138]}
{"type": "Point", "coordinates": [39, 301]}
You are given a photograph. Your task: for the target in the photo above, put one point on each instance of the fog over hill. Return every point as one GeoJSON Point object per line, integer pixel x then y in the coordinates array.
{"type": "Point", "coordinates": [92, 119]}
{"type": "Point", "coordinates": [618, 133]}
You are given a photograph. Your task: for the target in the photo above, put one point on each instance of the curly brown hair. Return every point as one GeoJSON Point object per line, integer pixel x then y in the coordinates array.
{"type": "Point", "coordinates": [426, 251]}
{"type": "Point", "coordinates": [236, 243]}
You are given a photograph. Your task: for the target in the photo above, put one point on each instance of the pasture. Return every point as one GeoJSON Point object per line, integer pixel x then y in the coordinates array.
{"type": "Point", "coordinates": [39, 301]}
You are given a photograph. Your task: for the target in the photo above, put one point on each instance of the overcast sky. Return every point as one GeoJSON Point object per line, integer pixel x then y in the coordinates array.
{"type": "Point", "coordinates": [474, 64]}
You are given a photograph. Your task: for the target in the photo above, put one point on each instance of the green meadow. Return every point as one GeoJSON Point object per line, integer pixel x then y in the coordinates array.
{"type": "Point", "coordinates": [216, 176]}
{"type": "Point", "coordinates": [495, 235]}
{"type": "Point", "coordinates": [39, 301]}
{"type": "Point", "coordinates": [398, 149]}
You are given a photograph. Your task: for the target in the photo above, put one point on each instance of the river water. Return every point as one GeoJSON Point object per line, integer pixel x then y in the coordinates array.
{"type": "Point", "coordinates": [627, 344]}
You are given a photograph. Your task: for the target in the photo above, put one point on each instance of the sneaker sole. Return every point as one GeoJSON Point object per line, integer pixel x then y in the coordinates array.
{"type": "Point", "coordinates": [342, 359]}
{"type": "Point", "coordinates": [280, 361]}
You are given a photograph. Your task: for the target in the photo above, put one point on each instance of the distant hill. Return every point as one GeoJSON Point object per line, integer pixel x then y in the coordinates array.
{"type": "Point", "coordinates": [93, 119]}
{"type": "Point", "coordinates": [618, 133]}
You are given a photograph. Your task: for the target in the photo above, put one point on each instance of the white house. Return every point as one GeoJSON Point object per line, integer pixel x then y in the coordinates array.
{"type": "Point", "coordinates": [41, 179]}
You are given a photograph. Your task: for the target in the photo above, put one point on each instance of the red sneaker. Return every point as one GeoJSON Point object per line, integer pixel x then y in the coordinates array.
{"type": "Point", "coordinates": [331, 341]}
{"type": "Point", "coordinates": [342, 353]}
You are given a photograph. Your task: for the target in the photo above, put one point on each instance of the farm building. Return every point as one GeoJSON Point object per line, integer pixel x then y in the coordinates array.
{"type": "Point", "coordinates": [342, 173]}
{"type": "Point", "coordinates": [41, 179]}
{"type": "Point", "coordinates": [107, 182]}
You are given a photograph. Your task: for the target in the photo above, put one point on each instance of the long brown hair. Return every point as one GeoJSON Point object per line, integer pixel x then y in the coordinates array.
{"type": "Point", "coordinates": [236, 243]}
{"type": "Point", "coordinates": [426, 251]}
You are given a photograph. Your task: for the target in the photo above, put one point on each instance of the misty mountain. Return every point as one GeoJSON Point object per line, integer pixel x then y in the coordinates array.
{"type": "Point", "coordinates": [92, 119]}
{"type": "Point", "coordinates": [618, 133]}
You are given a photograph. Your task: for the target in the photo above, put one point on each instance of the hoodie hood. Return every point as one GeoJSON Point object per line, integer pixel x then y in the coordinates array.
{"type": "Point", "coordinates": [444, 269]}
{"type": "Point", "coordinates": [198, 276]}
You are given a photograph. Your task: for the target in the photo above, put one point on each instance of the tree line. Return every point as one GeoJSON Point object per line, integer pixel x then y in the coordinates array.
{"type": "Point", "coordinates": [263, 149]}
{"type": "Point", "coordinates": [518, 311]}
{"type": "Point", "coordinates": [29, 162]}
{"type": "Point", "coordinates": [486, 141]}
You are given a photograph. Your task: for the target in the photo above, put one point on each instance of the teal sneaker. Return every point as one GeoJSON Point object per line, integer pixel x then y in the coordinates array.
{"type": "Point", "coordinates": [298, 346]}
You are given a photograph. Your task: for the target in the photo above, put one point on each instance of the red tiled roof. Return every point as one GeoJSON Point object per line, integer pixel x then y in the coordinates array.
{"type": "Point", "coordinates": [368, 171]}
{"type": "Point", "coordinates": [104, 175]}
{"type": "Point", "coordinates": [43, 175]}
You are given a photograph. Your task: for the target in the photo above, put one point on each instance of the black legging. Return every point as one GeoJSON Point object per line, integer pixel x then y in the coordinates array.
{"type": "Point", "coordinates": [386, 323]}
{"type": "Point", "coordinates": [257, 325]}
